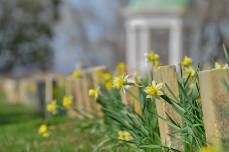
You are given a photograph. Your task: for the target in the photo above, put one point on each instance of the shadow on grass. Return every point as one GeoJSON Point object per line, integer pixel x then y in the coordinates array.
{"type": "Point", "coordinates": [15, 113]}
{"type": "Point", "coordinates": [9, 118]}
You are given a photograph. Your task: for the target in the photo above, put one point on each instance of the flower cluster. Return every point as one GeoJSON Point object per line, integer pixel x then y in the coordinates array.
{"type": "Point", "coordinates": [187, 67]}
{"type": "Point", "coordinates": [138, 104]}
{"type": "Point", "coordinates": [121, 69]}
{"type": "Point", "coordinates": [104, 78]}
{"type": "Point", "coordinates": [52, 107]}
{"type": "Point", "coordinates": [153, 58]}
{"type": "Point", "coordinates": [108, 81]}
{"type": "Point", "coordinates": [221, 66]}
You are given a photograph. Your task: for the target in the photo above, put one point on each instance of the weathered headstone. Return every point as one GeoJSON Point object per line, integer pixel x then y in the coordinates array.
{"type": "Point", "coordinates": [167, 74]}
{"type": "Point", "coordinates": [10, 89]}
{"type": "Point", "coordinates": [215, 105]}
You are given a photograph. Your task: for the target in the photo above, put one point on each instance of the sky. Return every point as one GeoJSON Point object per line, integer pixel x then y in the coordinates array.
{"type": "Point", "coordinates": [67, 52]}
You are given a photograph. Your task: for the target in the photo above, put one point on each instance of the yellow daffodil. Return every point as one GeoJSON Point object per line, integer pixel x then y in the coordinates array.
{"type": "Point", "coordinates": [208, 149]}
{"type": "Point", "coordinates": [43, 130]}
{"type": "Point", "coordinates": [121, 66]}
{"type": "Point", "coordinates": [121, 69]}
{"type": "Point", "coordinates": [109, 85]}
{"type": "Point", "coordinates": [120, 82]}
{"type": "Point", "coordinates": [152, 57]}
{"type": "Point", "coordinates": [124, 136]}
{"type": "Point", "coordinates": [67, 102]}
{"type": "Point", "coordinates": [186, 61]}
{"type": "Point", "coordinates": [76, 75]}
{"type": "Point", "coordinates": [94, 92]}
{"type": "Point", "coordinates": [52, 107]}
{"type": "Point", "coordinates": [154, 90]}
{"type": "Point", "coordinates": [221, 66]}
{"type": "Point", "coordinates": [189, 71]}
{"type": "Point", "coordinates": [107, 76]}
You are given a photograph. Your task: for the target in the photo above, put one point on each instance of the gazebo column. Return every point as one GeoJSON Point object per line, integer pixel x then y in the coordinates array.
{"type": "Point", "coordinates": [131, 55]}
{"type": "Point", "coordinates": [144, 46]}
{"type": "Point", "coordinates": [175, 42]}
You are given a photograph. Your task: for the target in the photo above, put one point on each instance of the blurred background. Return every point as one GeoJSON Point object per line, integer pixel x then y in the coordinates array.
{"type": "Point", "coordinates": [43, 41]}
{"type": "Point", "coordinates": [58, 35]}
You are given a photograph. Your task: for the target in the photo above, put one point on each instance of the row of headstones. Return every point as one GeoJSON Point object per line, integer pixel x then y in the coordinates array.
{"type": "Point", "coordinates": [39, 91]}
{"type": "Point", "coordinates": [20, 90]}
{"type": "Point", "coordinates": [214, 97]}
{"type": "Point", "coordinates": [33, 91]}
{"type": "Point", "coordinates": [215, 105]}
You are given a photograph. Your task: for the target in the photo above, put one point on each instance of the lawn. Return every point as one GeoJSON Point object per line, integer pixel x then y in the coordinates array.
{"type": "Point", "coordinates": [18, 132]}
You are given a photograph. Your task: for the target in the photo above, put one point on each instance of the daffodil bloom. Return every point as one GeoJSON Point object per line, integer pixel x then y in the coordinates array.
{"type": "Point", "coordinates": [76, 75]}
{"type": "Point", "coordinates": [120, 82]}
{"type": "Point", "coordinates": [189, 71]}
{"type": "Point", "coordinates": [52, 107]}
{"type": "Point", "coordinates": [94, 92]}
{"type": "Point", "coordinates": [152, 57]}
{"type": "Point", "coordinates": [124, 136]}
{"type": "Point", "coordinates": [186, 61]}
{"type": "Point", "coordinates": [221, 66]}
{"type": "Point", "coordinates": [107, 76]}
{"type": "Point", "coordinates": [109, 85]}
{"type": "Point", "coordinates": [154, 90]}
{"type": "Point", "coordinates": [121, 69]}
{"type": "Point", "coordinates": [43, 130]}
{"type": "Point", "coordinates": [67, 102]}
{"type": "Point", "coordinates": [121, 66]}
{"type": "Point", "coordinates": [208, 149]}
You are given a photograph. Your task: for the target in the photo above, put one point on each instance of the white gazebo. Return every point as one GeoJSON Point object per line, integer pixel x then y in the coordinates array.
{"type": "Point", "coordinates": [145, 15]}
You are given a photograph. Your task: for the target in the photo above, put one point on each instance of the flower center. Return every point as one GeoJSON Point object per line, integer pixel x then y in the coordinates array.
{"type": "Point", "coordinates": [152, 91]}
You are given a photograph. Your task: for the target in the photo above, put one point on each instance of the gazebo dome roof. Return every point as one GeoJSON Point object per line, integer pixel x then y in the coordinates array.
{"type": "Point", "coordinates": [158, 5]}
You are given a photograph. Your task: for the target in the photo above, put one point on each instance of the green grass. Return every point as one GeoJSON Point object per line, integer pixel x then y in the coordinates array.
{"type": "Point", "coordinates": [18, 132]}
{"type": "Point", "coordinates": [19, 125]}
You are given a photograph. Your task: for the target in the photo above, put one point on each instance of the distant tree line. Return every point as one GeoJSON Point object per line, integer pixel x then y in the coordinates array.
{"type": "Point", "coordinates": [26, 33]}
